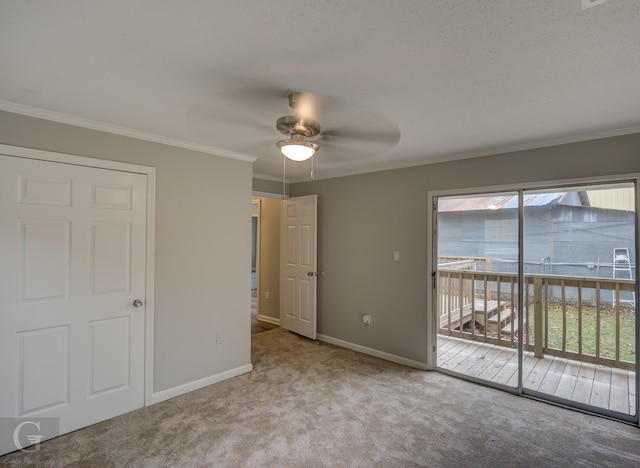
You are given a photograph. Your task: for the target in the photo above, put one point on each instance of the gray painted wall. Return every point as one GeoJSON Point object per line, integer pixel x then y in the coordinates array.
{"type": "Point", "coordinates": [268, 186]}
{"type": "Point", "coordinates": [362, 219]}
{"type": "Point", "coordinates": [203, 213]}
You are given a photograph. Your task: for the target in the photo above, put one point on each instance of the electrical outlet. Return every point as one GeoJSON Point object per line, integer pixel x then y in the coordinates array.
{"type": "Point", "coordinates": [366, 319]}
{"type": "Point", "coordinates": [218, 339]}
{"type": "Point", "coordinates": [267, 295]}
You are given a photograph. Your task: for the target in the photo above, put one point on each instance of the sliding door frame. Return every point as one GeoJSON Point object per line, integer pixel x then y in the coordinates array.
{"type": "Point", "coordinates": [520, 189]}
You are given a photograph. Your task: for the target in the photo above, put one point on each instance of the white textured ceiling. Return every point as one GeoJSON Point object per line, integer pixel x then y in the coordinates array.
{"type": "Point", "coordinates": [451, 78]}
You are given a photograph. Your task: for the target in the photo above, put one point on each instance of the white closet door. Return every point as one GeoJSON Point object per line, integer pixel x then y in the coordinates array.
{"type": "Point", "coordinates": [72, 250]}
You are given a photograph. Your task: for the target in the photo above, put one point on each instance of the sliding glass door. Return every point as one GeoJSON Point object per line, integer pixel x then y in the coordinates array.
{"type": "Point", "coordinates": [477, 286]}
{"type": "Point", "coordinates": [535, 292]}
{"type": "Point", "coordinates": [579, 262]}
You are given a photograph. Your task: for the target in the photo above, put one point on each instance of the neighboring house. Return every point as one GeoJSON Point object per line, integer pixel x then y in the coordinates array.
{"type": "Point", "coordinates": [563, 233]}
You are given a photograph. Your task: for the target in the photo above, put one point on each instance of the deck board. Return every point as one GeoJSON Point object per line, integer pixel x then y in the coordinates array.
{"type": "Point", "coordinates": [510, 367]}
{"type": "Point", "coordinates": [538, 373]}
{"type": "Point", "coordinates": [568, 380]}
{"type": "Point", "coordinates": [483, 358]}
{"type": "Point", "coordinates": [601, 389]}
{"type": "Point", "coordinates": [592, 384]}
{"type": "Point", "coordinates": [463, 361]}
{"type": "Point", "coordinates": [619, 395]}
{"type": "Point", "coordinates": [584, 384]}
{"type": "Point", "coordinates": [452, 352]}
{"type": "Point", "coordinates": [551, 380]}
{"type": "Point", "coordinates": [502, 357]}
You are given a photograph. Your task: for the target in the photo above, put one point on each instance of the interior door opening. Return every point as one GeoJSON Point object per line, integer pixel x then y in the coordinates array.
{"type": "Point", "coordinates": [264, 268]}
{"type": "Point", "coordinates": [254, 271]}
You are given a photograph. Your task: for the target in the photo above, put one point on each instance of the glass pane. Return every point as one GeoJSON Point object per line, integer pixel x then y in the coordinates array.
{"type": "Point", "coordinates": [579, 254]}
{"type": "Point", "coordinates": [477, 285]}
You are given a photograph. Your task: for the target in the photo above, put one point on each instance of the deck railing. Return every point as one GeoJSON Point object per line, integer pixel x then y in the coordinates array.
{"type": "Point", "coordinates": [578, 318]}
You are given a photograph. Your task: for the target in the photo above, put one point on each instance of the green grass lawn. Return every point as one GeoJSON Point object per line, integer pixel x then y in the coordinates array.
{"type": "Point", "coordinates": [607, 331]}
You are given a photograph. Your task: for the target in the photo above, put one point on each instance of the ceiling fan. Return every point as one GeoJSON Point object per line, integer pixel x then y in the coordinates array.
{"type": "Point", "coordinates": [333, 132]}
{"type": "Point", "coordinates": [299, 128]}
{"type": "Point", "coordinates": [356, 129]}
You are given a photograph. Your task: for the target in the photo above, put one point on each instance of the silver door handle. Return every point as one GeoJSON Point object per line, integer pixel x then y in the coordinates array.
{"type": "Point", "coordinates": [137, 303]}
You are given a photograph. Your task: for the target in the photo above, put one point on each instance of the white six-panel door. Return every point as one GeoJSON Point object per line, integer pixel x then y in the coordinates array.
{"type": "Point", "coordinates": [298, 270]}
{"type": "Point", "coordinates": [72, 250]}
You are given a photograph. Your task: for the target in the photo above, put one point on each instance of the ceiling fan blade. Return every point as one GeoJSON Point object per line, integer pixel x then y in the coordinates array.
{"type": "Point", "coordinates": [384, 136]}
{"type": "Point", "coordinates": [257, 99]}
{"type": "Point", "coordinates": [346, 151]}
{"type": "Point", "coordinates": [252, 123]}
{"type": "Point", "coordinates": [356, 128]}
{"type": "Point", "coordinates": [220, 123]}
{"type": "Point", "coordinates": [353, 143]}
{"type": "Point", "coordinates": [268, 103]}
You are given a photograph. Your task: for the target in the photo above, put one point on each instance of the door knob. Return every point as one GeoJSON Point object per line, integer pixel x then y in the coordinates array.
{"type": "Point", "coordinates": [137, 303]}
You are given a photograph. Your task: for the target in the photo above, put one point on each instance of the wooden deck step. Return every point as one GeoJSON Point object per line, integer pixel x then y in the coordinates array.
{"type": "Point", "coordinates": [506, 330]}
{"type": "Point", "coordinates": [467, 313]}
{"type": "Point", "coordinates": [504, 314]}
{"type": "Point", "coordinates": [492, 305]}
{"type": "Point", "coordinates": [492, 310]}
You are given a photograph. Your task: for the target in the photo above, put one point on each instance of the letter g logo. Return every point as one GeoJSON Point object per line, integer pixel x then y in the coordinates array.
{"type": "Point", "coordinates": [33, 439]}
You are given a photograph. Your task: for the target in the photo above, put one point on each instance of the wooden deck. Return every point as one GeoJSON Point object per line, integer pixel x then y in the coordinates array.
{"type": "Point", "coordinates": [592, 384]}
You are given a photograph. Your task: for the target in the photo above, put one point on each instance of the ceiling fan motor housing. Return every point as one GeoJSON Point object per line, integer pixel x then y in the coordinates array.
{"type": "Point", "coordinates": [292, 125]}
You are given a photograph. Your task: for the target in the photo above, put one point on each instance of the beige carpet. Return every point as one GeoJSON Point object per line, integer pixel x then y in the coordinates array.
{"type": "Point", "coordinates": [308, 404]}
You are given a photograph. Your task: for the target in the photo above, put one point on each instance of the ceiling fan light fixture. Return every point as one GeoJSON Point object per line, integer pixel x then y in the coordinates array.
{"type": "Point", "coordinates": [297, 149]}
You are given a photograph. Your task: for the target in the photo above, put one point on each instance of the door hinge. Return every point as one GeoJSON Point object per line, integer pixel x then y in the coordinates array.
{"type": "Point", "coordinates": [433, 280]}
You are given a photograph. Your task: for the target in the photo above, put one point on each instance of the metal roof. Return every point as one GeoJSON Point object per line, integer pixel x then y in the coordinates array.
{"type": "Point", "coordinates": [499, 202]}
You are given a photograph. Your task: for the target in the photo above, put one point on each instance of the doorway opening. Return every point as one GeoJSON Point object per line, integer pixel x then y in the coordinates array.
{"type": "Point", "coordinates": [535, 292]}
{"type": "Point", "coordinates": [265, 267]}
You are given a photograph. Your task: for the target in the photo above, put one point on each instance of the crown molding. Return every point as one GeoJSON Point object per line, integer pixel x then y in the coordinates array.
{"type": "Point", "coordinates": [268, 177]}
{"type": "Point", "coordinates": [478, 153]}
{"type": "Point", "coordinates": [118, 130]}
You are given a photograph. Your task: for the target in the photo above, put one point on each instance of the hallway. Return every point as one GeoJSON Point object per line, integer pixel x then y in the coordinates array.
{"type": "Point", "coordinates": [258, 326]}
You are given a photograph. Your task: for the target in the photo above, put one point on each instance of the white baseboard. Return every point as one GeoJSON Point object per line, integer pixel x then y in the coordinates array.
{"type": "Point", "coordinates": [372, 352]}
{"type": "Point", "coordinates": [266, 318]}
{"type": "Point", "coordinates": [196, 384]}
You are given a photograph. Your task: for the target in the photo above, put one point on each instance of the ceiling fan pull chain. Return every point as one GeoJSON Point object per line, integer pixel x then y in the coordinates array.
{"type": "Point", "coordinates": [312, 174]}
{"type": "Point", "coordinates": [284, 178]}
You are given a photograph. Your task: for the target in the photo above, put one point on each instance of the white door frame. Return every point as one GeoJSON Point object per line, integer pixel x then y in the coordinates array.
{"type": "Point", "coordinates": [258, 216]}
{"type": "Point", "coordinates": [150, 172]}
